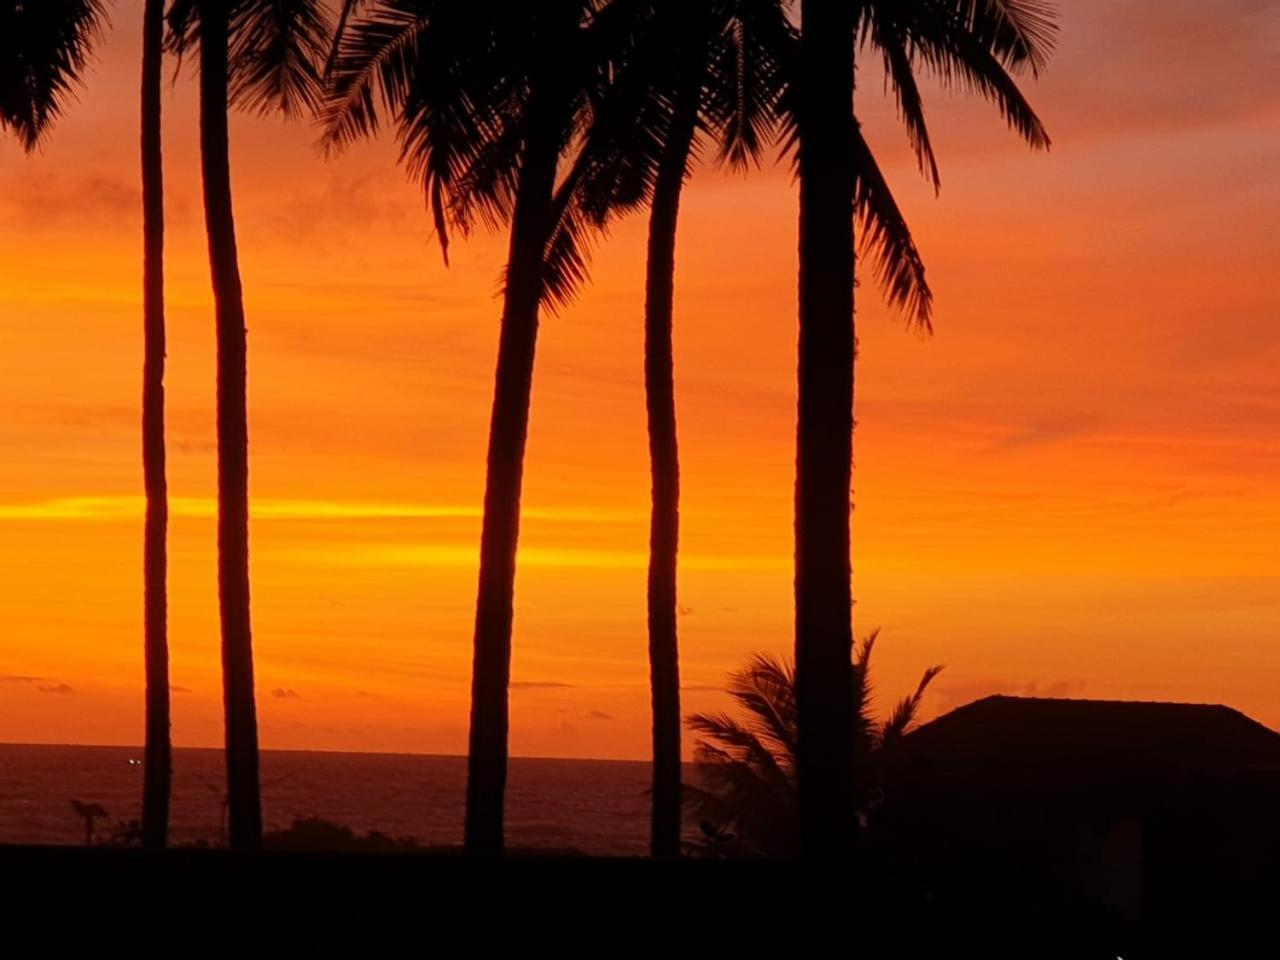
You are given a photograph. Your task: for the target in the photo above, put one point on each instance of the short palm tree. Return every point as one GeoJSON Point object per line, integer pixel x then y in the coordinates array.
{"type": "Point", "coordinates": [487, 99]}
{"type": "Point", "coordinates": [44, 49]}
{"type": "Point", "coordinates": [261, 55]}
{"type": "Point", "coordinates": [88, 812]}
{"type": "Point", "coordinates": [748, 804]}
{"type": "Point", "coordinates": [975, 45]}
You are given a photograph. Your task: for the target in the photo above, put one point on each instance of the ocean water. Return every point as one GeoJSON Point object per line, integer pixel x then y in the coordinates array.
{"type": "Point", "coordinates": [593, 806]}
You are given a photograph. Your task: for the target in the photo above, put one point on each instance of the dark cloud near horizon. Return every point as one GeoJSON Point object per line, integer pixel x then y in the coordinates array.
{"type": "Point", "coordinates": [540, 685]}
{"type": "Point", "coordinates": [42, 684]}
{"type": "Point", "coordinates": [45, 200]}
{"type": "Point", "coordinates": [597, 715]}
{"type": "Point", "coordinates": [284, 693]}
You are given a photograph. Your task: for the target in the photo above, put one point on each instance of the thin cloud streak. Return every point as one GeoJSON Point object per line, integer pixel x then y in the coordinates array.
{"type": "Point", "coordinates": [111, 508]}
{"type": "Point", "coordinates": [467, 555]}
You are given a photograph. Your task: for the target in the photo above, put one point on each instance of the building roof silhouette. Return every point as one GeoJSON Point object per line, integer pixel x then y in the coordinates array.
{"type": "Point", "coordinates": [1064, 747]}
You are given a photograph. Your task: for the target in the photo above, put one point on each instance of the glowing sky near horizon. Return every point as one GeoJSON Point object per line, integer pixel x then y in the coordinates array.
{"type": "Point", "coordinates": [1072, 488]}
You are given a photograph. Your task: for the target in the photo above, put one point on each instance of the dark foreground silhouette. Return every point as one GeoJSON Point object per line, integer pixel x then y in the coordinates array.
{"type": "Point", "coordinates": [1007, 828]}
{"type": "Point", "coordinates": [277, 903]}
{"type": "Point", "coordinates": [451, 905]}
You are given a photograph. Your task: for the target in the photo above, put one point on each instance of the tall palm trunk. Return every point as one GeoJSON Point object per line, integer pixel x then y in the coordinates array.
{"type": "Point", "coordinates": [664, 465]}
{"type": "Point", "coordinates": [157, 767]}
{"type": "Point", "coordinates": [824, 442]}
{"type": "Point", "coordinates": [508, 431]}
{"type": "Point", "coordinates": [233, 437]}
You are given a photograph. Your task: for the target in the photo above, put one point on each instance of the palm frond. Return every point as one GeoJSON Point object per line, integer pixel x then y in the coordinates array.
{"type": "Point", "coordinates": [746, 80]}
{"type": "Point", "coordinates": [1022, 34]}
{"type": "Point", "coordinates": [862, 690]}
{"type": "Point", "coordinates": [904, 714]}
{"type": "Point", "coordinates": [579, 224]}
{"type": "Point", "coordinates": [277, 55]}
{"type": "Point", "coordinates": [765, 689]}
{"type": "Point", "coordinates": [426, 67]}
{"type": "Point", "coordinates": [371, 69]}
{"type": "Point", "coordinates": [885, 238]}
{"type": "Point", "coordinates": [346, 11]}
{"type": "Point", "coordinates": [722, 733]}
{"type": "Point", "coordinates": [45, 47]}
{"type": "Point", "coordinates": [937, 37]}
{"type": "Point", "coordinates": [457, 83]}
{"type": "Point", "coordinates": [638, 81]}
{"type": "Point", "coordinates": [899, 70]}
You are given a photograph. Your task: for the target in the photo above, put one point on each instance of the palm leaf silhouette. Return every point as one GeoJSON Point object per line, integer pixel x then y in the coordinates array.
{"type": "Point", "coordinates": [745, 801]}
{"type": "Point", "coordinates": [45, 47]}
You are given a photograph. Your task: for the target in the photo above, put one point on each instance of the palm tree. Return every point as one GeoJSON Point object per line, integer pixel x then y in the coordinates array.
{"type": "Point", "coordinates": [44, 49]}
{"type": "Point", "coordinates": [696, 70]}
{"type": "Point", "coordinates": [260, 55]}
{"type": "Point", "coordinates": [158, 754]}
{"type": "Point", "coordinates": [487, 99]}
{"type": "Point", "coordinates": [692, 71]}
{"type": "Point", "coordinates": [749, 805]}
{"type": "Point", "coordinates": [973, 44]}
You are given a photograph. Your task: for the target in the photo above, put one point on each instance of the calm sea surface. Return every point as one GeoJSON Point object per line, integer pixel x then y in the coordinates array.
{"type": "Point", "coordinates": [595, 806]}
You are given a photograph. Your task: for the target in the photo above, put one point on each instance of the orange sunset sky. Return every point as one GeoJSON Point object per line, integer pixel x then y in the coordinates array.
{"type": "Point", "coordinates": [1073, 488]}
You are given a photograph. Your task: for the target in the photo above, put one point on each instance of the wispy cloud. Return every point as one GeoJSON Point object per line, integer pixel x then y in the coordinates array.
{"type": "Point", "coordinates": [42, 684]}
{"type": "Point", "coordinates": [574, 558]}
{"type": "Point", "coordinates": [45, 201]}
{"type": "Point", "coordinates": [112, 507]}
{"type": "Point", "coordinates": [539, 685]}
{"type": "Point", "coordinates": [597, 715]}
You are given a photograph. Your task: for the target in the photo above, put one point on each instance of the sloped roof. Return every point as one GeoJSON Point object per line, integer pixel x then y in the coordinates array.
{"type": "Point", "coordinates": [1004, 741]}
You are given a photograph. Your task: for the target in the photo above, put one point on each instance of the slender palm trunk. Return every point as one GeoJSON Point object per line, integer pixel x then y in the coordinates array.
{"type": "Point", "coordinates": [824, 448]}
{"type": "Point", "coordinates": [157, 765]}
{"type": "Point", "coordinates": [664, 464]}
{"type": "Point", "coordinates": [233, 437]}
{"type": "Point", "coordinates": [508, 431]}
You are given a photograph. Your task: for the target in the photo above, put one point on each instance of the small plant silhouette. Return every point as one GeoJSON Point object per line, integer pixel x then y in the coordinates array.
{"type": "Point", "coordinates": [89, 812]}
{"type": "Point", "coordinates": [748, 804]}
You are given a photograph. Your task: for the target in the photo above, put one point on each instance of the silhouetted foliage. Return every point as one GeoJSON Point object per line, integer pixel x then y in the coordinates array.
{"type": "Point", "coordinates": [315, 834]}
{"type": "Point", "coordinates": [88, 812]}
{"type": "Point", "coordinates": [45, 46]}
{"type": "Point", "coordinates": [127, 833]}
{"type": "Point", "coordinates": [748, 804]}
